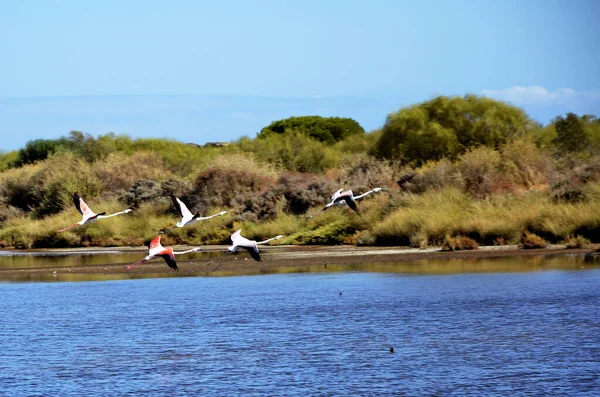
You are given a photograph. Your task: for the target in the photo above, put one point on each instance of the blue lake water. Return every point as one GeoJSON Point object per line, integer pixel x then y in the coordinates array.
{"type": "Point", "coordinates": [509, 333]}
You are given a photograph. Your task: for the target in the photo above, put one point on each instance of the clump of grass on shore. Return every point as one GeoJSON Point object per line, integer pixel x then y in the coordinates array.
{"type": "Point", "coordinates": [533, 241]}
{"type": "Point", "coordinates": [433, 215]}
{"type": "Point", "coordinates": [459, 243]}
{"type": "Point", "coordinates": [576, 242]}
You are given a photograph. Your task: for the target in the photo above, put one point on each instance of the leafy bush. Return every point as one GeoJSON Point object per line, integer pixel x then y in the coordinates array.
{"type": "Point", "coordinates": [302, 192]}
{"type": "Point", "coordinates": [331, 233]}
{"type": "Point", "coordinates": [447, 126]}
{"type": "Point", "coordinates": [578, 180]}
{"type": "Point", "coordinates": [293, 193]}
{"type": "Point", "coordinates": [480, 172]}
{"type": "Point", "coordinates": [358, 143]}
{"type": "Point", "coordinates": [142, 191]}
{"type": "Point", "coordinates": [519, 166]}
{"type": "Point", "coordinates": [570, 133]}
{"type": "Point", "coordinates": [228, 185]}
{"type": "Point", "coordinates": [529, 166]}
{"type": "Point", "coordinates": [88, 147]}
{"type": "Point", "coordinates": [8, 160]}
{"type": "Point", "coordinates": [433, 175]}
{"type": "Point", "coordinates": [47, 187]}
{"type": "Point", "coordinates": [292, 151]}
{"type": "Point", "coordinates": [323, 129]}
{"type": "Point", "coordinates": [363, 173]}
{"type": "Point", "coordinates": [40, 149]}
{"type": "Point", "coordinates": [8, 212]}
{"type": "Point", "coordinates": [119, 171]}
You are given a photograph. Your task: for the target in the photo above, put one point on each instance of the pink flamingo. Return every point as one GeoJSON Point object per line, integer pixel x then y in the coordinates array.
{"type": "Point", "coordinates": [156, 249]}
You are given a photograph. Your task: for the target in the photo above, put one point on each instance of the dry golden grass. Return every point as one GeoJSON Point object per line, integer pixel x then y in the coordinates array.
{"type": "Point", "coordinates": [433, 215]}
{"type": "Point", "coordinates": [576, 242]}
{"type": "Point", "coordinates": [459, 243]}
{"type": "Point", "coordinates": [532, 241]}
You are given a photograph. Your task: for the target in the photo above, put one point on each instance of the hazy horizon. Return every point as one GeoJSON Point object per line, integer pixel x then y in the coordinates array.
{"type": "Point", "coordinates": [194, 118]}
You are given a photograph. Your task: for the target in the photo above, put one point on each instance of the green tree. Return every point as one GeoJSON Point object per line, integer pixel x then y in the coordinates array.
{"type": "Point", "coordinates": [323, 129]}
{"type": "Point", "coordinates": [592, 129]}
{"type": "Point", "coordinates": [571, 133]}
{"type": "Point", "coordinates": [448, 126]}
{"type": "Point", "coordinates": [40, 149]}
{"type": "Point", "coordinates": [90, 148]}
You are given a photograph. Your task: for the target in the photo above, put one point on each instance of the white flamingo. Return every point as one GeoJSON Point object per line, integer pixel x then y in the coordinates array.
{"type": "Point", "coordinates": [155, 249]}
{"type": "Point", "coordinates": [88, 215]}
{"type": "Point", "coordinates": [187, 218]}
{"type": "Point", "coordinates": [240, 241]}
{"type": "Point", "coordinates": [346, 197]}
{"type": "Point", "coordinates": [251, 246]}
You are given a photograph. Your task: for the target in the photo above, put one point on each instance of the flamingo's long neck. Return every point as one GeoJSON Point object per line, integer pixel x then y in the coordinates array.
{"type": "Point", "coordinates": [203, 218]}
{"type": "Point", "coordinates": [266, 241]}
{"type": "Point", "coordinates": [111, 215]}
{"type": "Point", "coordinates": [185, 252]}
{"type": "Point", "coordinates": [364, 194]}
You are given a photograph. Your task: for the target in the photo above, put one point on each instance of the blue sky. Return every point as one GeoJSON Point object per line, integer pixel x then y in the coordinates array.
{"type": "Point", "coordinates": [206, 71]}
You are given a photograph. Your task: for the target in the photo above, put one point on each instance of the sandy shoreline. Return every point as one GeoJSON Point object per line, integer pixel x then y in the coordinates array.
{"type": "Point", "coordinates": [277, 259]}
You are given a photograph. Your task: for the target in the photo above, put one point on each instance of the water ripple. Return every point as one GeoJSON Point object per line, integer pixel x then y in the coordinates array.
{"type": "Point", "coordinates": [467, 334]}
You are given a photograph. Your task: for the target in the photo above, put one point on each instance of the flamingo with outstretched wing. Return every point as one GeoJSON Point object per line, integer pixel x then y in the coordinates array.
{"type": "Point", "coordinates": [242, 242]}
{"type": "Point", "coordinates": [89, 216]}
{"type": "Point", "coordinates": [187, 218]}
{"type": "Point", "coordinates": [345, 197]}
{"type": "Point", "coordinates": [155, 249]}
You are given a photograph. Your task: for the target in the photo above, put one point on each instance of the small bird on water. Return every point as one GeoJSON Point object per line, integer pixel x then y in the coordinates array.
{"type": "Point", "coordinates": [392, 349]}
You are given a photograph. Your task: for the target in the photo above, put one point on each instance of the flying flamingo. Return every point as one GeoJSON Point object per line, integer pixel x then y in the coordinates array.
{"type": "Point", "coordinates": [242, 242]}
{"type": "Point", "coordinates": [346, 197]}
{"type": "Point", "coordinates": [187, 218]}
{"type": "Point", "coordinates": [88, 215]}
{"type": "Point", "coordinates": [156, 249]}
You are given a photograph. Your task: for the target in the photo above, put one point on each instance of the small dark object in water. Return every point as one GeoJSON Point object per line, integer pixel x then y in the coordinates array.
{"type": "Point", "coordinates": [340, 293]}
{"type": "Point", "coordinates": [392, 349]}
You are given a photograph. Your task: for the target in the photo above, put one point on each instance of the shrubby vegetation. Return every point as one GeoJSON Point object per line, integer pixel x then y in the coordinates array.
{"type": "Point", "coordinates": [457, 172]}
{"type": "Point", "coordinates": [448, 126]}
{"type": "Point", "coordinates": [322, 129]}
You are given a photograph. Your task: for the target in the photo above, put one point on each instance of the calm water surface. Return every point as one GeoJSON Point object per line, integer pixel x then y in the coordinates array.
{"type": "Point", "coordinates": [534, 333]}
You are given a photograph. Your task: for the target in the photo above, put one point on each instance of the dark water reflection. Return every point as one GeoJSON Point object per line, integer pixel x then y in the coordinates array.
{"type": "Point", "coordinates": [41, 259]}
{"type": "Point", "coordinates": [195, 265]}
{"type": "Point", "coordinates": [501, 333]}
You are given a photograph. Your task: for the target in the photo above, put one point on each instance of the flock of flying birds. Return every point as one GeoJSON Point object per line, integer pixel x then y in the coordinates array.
{"type": "Point", "coordinates": [155, 249]}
